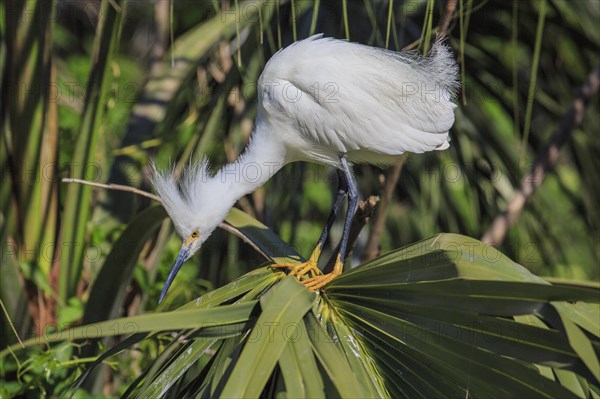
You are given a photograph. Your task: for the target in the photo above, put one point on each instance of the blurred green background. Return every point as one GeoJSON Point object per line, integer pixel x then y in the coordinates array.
{"type": "Point", "coordinates": [95, 90]}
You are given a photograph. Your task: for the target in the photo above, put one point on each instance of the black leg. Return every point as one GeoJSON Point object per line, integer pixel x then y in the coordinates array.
{"type": "Point", "coordinates": [341, 193]}
{"type": "Point", "coordinates": [352, 202]}
{"type": "Point", "coordinates": [317, 279]}
{"type": "Point", "coordinates": [310, 267]}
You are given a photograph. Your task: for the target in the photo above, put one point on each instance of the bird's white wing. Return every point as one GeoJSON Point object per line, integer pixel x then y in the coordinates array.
{"type": "Point", "coordinates": [357, 98]}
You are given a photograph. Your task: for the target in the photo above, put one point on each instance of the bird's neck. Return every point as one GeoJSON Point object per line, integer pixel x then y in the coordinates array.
{"type": "Point", "coordinates": [262, 158]}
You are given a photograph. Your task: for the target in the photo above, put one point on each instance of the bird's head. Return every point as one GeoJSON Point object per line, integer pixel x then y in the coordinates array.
{"type": "Point", "coordinates": [190, 245]}
{"type": "Point", "coordinates": [194, 206]}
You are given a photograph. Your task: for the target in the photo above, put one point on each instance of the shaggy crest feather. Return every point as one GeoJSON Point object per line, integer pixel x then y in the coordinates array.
{"type": "Point", "coordinates": [181, 196]}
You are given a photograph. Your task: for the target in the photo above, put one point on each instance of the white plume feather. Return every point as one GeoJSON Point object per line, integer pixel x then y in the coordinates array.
{"type": "Point", "coordinates": [181, 197]}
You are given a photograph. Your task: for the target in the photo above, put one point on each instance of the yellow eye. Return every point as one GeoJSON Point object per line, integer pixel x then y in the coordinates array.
{"type": "Point", "coordinates": [195, 234]}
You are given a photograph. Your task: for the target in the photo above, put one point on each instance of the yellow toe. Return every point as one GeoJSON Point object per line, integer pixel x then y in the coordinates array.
{"type": "Point", "coordinates": [308, 272]}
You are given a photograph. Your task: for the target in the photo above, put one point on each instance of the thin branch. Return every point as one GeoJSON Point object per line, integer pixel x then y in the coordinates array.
{"type": "Point", "coordinates": [373, 247]}
{"type": "Point", "coordinates": [544, 162]}
{"type": "Point", "coordinates": [115, 187]}
{"type": "Point", "coordinates": [119, 187]}
{"type": "Point", "coordinates": [162, 28]}
{"type": "Point", "coordinates": [10, 323]}
{"type": "Point", "coordinates": [447, 18]}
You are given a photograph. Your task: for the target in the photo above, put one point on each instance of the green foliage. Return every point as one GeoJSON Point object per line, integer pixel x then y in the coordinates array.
{"type": "Point", "coordinates": [448, 316]}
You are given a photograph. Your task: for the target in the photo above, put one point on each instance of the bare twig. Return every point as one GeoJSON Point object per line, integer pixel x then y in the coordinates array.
{"type": "Point", "coordinates": [116, 187]}
{"type": "Point", "coordinates": [372, 248]}
{"type": "Point", "coordinates": [10, 323]}
{"type": "Point", "coordinates": [447, 18]}
{"type": "Point", "coordinates": [544, 161]}
{"type": "Point", "coordinates": [361, 218]}
{"type": "Point", "coordinates": [161, 21]}
{"type": "Point", "coordinates": [119, 187]}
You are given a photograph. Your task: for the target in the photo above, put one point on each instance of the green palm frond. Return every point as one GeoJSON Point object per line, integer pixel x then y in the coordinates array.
{"type": "Point", "coordinates": [448, 316]}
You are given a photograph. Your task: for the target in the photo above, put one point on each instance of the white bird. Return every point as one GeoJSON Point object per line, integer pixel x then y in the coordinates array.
{"type": "Point", "coordinates": [326, 101]}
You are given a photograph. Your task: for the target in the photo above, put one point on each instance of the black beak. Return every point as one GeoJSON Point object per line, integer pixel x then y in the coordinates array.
{"type": "Point", "coordinates": [184, 254]}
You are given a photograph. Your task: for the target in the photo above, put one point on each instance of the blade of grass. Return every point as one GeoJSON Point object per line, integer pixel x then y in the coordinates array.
{"type": "Point", "coordinates": [345, 19]}
{"type": "Point", "coordinates": [77, 202]}
{"type": "Point", "coordinates": [315, 16]}
{"type": "Point", "coordinates": [293, 11]}
{"type": "Point", "coordinates": [167, 321]}
{"type": "Point", "coordinates": [389, 23]}
{"type": "Point", "coordinates": [533, 79]}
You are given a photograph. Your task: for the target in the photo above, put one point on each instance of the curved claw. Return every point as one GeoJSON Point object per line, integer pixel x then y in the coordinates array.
{"type": "Point", "coordinates": [316, 279]}
{"type": "Point", "coordinates": [301, 270]}
{"type": "Point", "coordinates": [317, 282]}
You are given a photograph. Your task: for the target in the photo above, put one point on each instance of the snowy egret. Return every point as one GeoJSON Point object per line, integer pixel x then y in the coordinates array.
{"type": "Point", "coordinates": [326, 101]}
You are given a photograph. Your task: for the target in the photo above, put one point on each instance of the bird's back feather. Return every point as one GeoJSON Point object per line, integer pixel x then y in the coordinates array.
{"type": "Point", "coordinates": [328, 96]}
